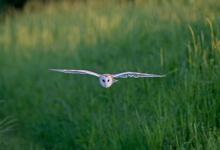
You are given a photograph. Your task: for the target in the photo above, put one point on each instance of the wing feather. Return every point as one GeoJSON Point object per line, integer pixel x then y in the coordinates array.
{"type": "Point", "coordinates": [136, 75]}
{"type": "Point", "coordinates": [76, 72]}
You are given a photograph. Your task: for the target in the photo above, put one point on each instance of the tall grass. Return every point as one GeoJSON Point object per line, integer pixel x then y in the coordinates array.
{"type": "Point", "coordinates": [57, 111]}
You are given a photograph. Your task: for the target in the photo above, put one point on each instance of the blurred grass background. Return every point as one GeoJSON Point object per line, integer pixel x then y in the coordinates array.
{"type": "Point", "coordinates": [48, 110]}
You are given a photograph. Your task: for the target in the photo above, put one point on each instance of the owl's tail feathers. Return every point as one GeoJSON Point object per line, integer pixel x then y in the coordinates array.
{"type": "Point", "coordinates": [114, 80]}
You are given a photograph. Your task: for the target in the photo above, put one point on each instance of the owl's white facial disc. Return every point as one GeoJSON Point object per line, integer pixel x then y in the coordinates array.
{"type": "Point", "coordinates": [106, 80]}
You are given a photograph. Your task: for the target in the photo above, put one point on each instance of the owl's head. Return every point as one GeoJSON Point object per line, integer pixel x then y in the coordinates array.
{"type": "Point", "coordinates": [106, 80]}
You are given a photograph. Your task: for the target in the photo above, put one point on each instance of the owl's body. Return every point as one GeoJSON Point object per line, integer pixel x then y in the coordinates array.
{"type": "Point", "coordinates": [106, 80]}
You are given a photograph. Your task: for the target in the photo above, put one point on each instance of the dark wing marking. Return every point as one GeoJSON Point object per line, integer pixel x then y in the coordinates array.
{"type": "Point", "coordinates": [136, 75]}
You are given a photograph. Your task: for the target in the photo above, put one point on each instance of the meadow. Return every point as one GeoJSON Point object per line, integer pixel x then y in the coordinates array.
{"type": "Point", "coordinates": [40, 109]}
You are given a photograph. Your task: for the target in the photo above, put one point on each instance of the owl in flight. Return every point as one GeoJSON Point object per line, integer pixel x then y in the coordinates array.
{"type": "Point", "coordinates": [106, 80]}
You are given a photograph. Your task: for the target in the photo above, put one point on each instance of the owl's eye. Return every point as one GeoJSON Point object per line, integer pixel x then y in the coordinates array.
{"type": "Point", "coordinates": [103, 80]}
{"type": "Point", "coordinates": [108, 80]}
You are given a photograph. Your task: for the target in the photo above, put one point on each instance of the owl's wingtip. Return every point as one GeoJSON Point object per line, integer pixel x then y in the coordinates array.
{"type": "Point", "coordinates": [164, 75]}
{"type": "Point", "coordinates": [53, 70]}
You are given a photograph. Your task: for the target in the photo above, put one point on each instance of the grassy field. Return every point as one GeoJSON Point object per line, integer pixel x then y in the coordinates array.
{"type": "Point", "coordinates": [40, 109]}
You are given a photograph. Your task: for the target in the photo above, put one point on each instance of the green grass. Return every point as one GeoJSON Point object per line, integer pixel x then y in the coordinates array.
{"type": "Point", "coordinates": [59, 111]}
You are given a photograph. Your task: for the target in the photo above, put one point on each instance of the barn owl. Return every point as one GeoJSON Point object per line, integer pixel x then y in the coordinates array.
{"type": "Point", "coordinates": [106, 80]}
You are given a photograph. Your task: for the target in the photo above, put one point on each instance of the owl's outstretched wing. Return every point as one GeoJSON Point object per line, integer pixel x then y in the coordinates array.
{"type": "Point", "coordinates": [136, 75]}
{"type": "Point", "coordinates": [76, 72]}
